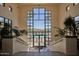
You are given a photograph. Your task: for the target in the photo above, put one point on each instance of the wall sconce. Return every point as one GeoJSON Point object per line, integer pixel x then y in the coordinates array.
{"type": "Point", "coordinates": [2, 4]}
{"type": "Point", "coordinates": [10, 8]}
{"type": "Point", "coordinates": [68, 8]}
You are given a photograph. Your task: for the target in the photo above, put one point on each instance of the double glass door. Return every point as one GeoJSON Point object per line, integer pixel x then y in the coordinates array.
{"type": "Point", "coordinates": [39, 41]}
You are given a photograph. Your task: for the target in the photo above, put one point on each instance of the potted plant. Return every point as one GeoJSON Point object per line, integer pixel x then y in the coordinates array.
{"type": "Point", "coordinates": [5, 31]}
{"type": "Point", "coordinates": [70, 26]}
{"type": "Point", "coordinates": [16, 32]}
{"type": "Point", "coordinates": [23, 31]}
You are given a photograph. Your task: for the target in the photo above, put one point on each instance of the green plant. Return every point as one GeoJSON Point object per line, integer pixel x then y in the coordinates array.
{"type": "Point", "coordinates": [70, 24]}
{"type": "Point", "coordinates": [5, 30]}
{"type": "Point", "coordinates": [17, 33]}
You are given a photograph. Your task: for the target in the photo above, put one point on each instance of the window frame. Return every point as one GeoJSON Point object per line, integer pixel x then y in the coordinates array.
{"type": "Point", "coordinates": [48, 15]}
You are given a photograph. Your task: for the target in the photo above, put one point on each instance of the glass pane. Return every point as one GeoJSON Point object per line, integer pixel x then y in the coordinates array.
{"type": "Point", "coordinates": [1, 22]}
{"type": "Point", "coordinates": [49, 12]}
{"type": "Point", "coordinates": [30, 16]}
{"type": "Point", "coordinates": [49, 17]}
{"type": "Point", "coordinates": [29, 22]}
{"type": "Point", "coordinates": [36, 41]}
{"type": "Point", "coordinates": [36, 17]}
{"type": "Point", "coordinates": [41, 40]}
{"type": "Point", "coordinates": [42, 17]}
{"type": "Point", "coordinates": [41, 25]}
{"type": "Point", "coordinates": [36, 25]}
{"type": "Point", "coordinates": [10, 22]}
{"type": "Point", "coordinates": [6, 21]}
{"type": "Point", "coordinates": [77, 18]}
{"type": "Point", "coordinates": [41, 10]}
{"type": "Point", "coordinates": [29, 13]}
{"type": "Point", "coordinates": [35, 10]}
{"type": "Point", "coordinates": [46, 11]}
{"type": "Point", "coordinates": [1, 19]}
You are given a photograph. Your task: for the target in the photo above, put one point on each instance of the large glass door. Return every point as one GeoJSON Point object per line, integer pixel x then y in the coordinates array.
{"type": "Point", "coordinates": [39, 27]}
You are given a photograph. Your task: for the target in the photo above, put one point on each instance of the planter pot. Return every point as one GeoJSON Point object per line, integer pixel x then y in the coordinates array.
{"type": "Point", "coordinates": [71, 45]}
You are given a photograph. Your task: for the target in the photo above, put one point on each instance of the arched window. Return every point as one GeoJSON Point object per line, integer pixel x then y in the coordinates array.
{"type": "Point", "coordinates": [39, 26]}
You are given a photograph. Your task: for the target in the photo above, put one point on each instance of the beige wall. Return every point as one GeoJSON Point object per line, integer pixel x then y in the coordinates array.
{"type": "Point", "coordinates": [54, 8]}
{"type": "Point", "coordinates": [4, 11]}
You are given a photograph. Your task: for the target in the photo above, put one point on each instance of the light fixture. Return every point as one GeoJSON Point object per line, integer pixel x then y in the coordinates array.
{"type": "Point", "coordinates": [10, 8]}
{"type": "Point", "coordinates": [67, 8]}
